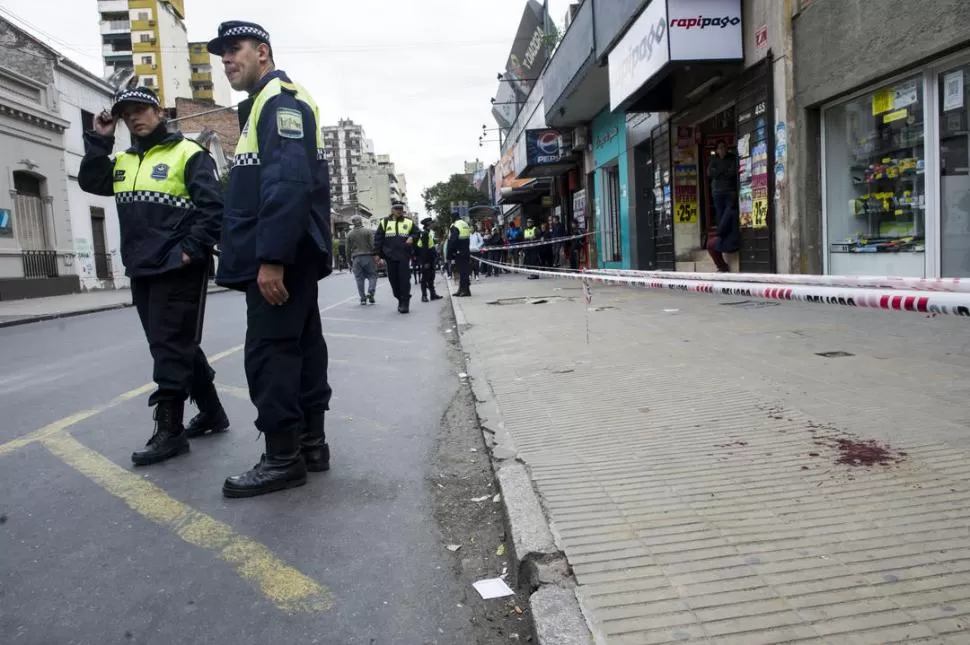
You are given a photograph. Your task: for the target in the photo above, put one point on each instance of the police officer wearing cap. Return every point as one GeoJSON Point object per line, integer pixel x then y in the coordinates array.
{"type": "Point", "coordinates": [275, 247]}
{"type": "Point", "coordinates": [394, 240]}
{"type": "Point", "coordinates": [169, 211]}
{"type": "Point", "coordinates": [427, 256]}
{"type": "Point", "coordinates": [459, 251]}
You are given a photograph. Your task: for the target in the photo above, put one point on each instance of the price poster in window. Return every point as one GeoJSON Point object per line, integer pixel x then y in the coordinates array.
{"type": "Point", "coordinates": [685, 184]}
{"type": "Point", "coordinates": [746, 205]}
{"type": "Point", "coordinates": [759, 207]}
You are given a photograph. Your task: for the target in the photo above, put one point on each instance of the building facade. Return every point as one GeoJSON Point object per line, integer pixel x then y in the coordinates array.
{"type": "Point", "coordinates": [346, 145]}
{"type": "Point", "coordinates": [883, 123]}
{"type": "Point", "coordinates": [209, 83]}
{"type": "Point", "coordinates": [36, 240]}
{"type": "Point", "coordinates": [149, 37]}
{"type": "Point", "coordinates": [93, 219]}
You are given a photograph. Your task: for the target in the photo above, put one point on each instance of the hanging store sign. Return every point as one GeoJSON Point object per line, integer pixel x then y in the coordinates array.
{"type": "Point", "coordinates": [543, 147]}
{"type": "Point", "coordinates": [673, 31]}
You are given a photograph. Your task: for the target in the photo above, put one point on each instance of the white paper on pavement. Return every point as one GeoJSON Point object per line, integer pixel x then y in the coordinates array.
{"type": "Point", "coordinates": [492, 588]}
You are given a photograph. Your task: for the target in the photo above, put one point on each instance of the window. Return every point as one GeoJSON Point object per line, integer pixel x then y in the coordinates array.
{"type": "Point", "coordinates": [612, 250]}
{"type": "Point", "coordinates": [147, 60]}
{"type": "Point", "coordinates": [145, 38]}
{"type": "Point", "coordinates": [149, 81]}
{"type": "Point", "coordinates": [144, 15]}
{"type": "Point", "coordinates": [874, 174]}
{"type": "Point", "coordinates": [87, 121]}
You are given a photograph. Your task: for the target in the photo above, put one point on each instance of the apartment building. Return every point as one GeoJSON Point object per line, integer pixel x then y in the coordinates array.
{"type": "Point", "coordinates": [346, 146]}
{"type": "Point", "coordinates": [208, 81]}
{"type": "Point", "coordinates": [148, 36]}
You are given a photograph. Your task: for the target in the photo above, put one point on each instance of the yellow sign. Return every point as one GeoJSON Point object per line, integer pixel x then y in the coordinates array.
{"type": "Point", "coordinates": [685, 212]}
{"type": "Point", "coordinates": [759, 209]}
{"type": "Point", "coordinates": [896, 116]}
{"type": "Point", "coordinates": [882, 101]}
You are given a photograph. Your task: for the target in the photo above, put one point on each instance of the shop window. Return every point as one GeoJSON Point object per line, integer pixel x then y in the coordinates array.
{"type": "Point", "coordinates": [875, 195]}
{"type": "Point", "coordinates": [954, 98]}
{"type": "Point", "coordinates": [612, 249]}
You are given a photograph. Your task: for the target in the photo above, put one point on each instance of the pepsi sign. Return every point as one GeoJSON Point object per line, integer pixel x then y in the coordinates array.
{"type": "Point", "coordinates": [543, 147]}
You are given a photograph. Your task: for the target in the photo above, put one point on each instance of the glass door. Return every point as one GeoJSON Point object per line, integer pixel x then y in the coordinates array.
{"type": "Point", "coordinates": [954, 169]}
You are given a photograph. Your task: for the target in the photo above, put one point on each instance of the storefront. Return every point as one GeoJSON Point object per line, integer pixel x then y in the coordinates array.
{"type": "Point", "coordinates": [896, 175]}
{"type": "Point", "coordinates": [610, 193]}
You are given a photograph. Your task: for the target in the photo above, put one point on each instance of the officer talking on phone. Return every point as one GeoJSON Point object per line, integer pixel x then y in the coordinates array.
{"type": "Point", "coordinates": [276, 247]}
{"type": "Point", "coordinates": [169, 211]}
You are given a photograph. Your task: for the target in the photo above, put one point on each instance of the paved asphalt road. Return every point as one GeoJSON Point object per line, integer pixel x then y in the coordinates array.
{"type": "Point", "coordinates": [92, 551]}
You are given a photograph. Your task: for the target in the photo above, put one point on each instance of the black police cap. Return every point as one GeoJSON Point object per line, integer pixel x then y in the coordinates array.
{"type": "Point", "coordinates": [141, 95]}
{"type": "Point", "coordinates": [234, 30]}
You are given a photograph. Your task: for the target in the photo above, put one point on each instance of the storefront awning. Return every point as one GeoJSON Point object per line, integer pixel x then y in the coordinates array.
{"type": "Point", "coordinates": [520, 191]}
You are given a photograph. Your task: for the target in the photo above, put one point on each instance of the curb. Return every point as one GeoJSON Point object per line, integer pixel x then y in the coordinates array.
{"type": "Point", "coordinates": [538, 564]}
{"type": "Point", "coordinates": [80, 312]}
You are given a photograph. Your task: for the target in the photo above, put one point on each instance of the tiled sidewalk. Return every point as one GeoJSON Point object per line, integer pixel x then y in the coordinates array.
{"type": "Point", "coordinates": [687, 459]}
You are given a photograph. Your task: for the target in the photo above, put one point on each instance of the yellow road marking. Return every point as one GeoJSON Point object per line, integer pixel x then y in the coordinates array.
{"type": "Point", "coordinates": [289, 589]}
{"type": "Point", "coordinates": [65, 423]}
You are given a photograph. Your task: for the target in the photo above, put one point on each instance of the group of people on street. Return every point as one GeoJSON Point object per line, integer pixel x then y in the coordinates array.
{"type": "Point", "coordinates": [274, 247]}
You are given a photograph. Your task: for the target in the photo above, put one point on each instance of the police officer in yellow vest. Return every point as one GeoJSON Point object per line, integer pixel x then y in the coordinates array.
{"type": "Point", "coordinates": [169, 212]}
{"type": "Point", "coordinates": [394, 241]}
{"type": "Point", "coordinates": [427, 255]}
{"type": "Point", "coordinates": [275, 247]}
{"type": "Point", "coordinates": [459, 251]}
{"type": "Point", "coordinates": [531, 234]}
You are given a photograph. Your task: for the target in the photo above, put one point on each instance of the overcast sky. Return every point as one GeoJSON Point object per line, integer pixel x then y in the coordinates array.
{"type": "Point", "coordinates": [417, 74]}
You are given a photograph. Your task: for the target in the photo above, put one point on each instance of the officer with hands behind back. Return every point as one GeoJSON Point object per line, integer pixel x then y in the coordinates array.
{"type": "Point", "coordinates": [169, 211]}
{"type": "Point", "coordinates": [275, 247]}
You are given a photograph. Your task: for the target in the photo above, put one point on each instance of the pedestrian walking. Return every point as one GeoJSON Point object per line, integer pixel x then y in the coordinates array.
{"type": "Point", "coordinates": [394, 241]}
{"type": "Point", "coordinates": [360, 250]}
{"type": "Point", "coordinates": [475, 244]}
{"type": "Point", "coordinates": [170, 212]}
{"type": "Point", "coordinates": [276, 249]}
{"type": "Point", "coordinates": [426, 254]}
{"type": "Point", "coordinates": [459, 252]}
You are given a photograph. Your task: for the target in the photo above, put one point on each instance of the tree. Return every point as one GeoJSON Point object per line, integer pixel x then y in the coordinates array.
{"type": "Point", "coordinates": [439, 198]}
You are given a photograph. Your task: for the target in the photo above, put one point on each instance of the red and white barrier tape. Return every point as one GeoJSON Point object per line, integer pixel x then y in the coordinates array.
{"type": "Point", "coordinates": [936, 303]}
{"type": "Point", "coordinates": [955, 285]}
{"type": "Point", "coordinates": [529, 245]}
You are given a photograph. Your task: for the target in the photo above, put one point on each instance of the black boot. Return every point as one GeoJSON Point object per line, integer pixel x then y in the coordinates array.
{"type": "Point", "coordinates": [313, 443]}
{"type": "Point", "coordinates": [169, 439]}
{"type": "Point", "coordinates": [370, 297]}
{"type": "Point", "coordinates": [211, 417]}
{"type": "Point", "coordinates": [424, 297]}
{"type": "Point", "coordinates": [404, 306]}
{"type": "Point", "coordinates": [279, 468]}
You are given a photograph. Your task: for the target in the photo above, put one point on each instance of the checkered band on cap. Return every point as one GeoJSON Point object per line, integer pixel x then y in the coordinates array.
{"type": "Point", "coordinates": [245, 31]}
{"type": "Point", "coordinates": [137, 95]}
{"type": "Point", "coordinates": [153, 197]}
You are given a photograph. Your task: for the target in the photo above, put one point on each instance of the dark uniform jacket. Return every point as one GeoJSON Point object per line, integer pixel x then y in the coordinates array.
{"type": "Point", "coordinates": [278, 198]}
{"type": "Point", "coordinates": [168, 196]}
{"type": "Point", "coordinates": [391, 236]}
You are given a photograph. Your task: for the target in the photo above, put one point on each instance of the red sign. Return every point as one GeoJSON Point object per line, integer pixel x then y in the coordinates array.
{"type": "Point", "coordinates": [761, 37]}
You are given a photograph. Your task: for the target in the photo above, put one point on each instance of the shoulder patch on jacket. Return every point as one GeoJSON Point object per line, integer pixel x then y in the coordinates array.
{"type": "Point", "coordinates": [289, 122]}
{"type": "Point", "coordinates": [119, 175]}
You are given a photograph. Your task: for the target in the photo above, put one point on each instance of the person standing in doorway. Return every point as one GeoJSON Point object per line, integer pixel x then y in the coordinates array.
{"type": "Point", "coordinates": [394, 241]}
{"type": "Point", "coordinates": [276, 250]}
{"type": "Point", "coordinates": [168, 228]}
{"type": "Point", "coordinates": [727, 240]}
{"type": "Point", "coordinates": [360, 250]}
{"type": "Point", "coordinates": [723, 175]}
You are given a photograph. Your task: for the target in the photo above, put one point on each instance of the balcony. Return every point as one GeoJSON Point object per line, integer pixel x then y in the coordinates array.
{"type": "Point", "coordinates": [575, 87]}
{"type": "Point", "coordinates": [109, 27]}
{"type": "Point", "coordinates": [201, 77]}
{"type": "Point", "coordinates": [113, 6]}
{"type": "Point", "coordinates": [116, 50]}
{"type": "Point", "coordinates": [202, 95]}
{"type": "Point", "coordinates": [143, 25]}
{"type": "Point", "coordinates": [146, 46]}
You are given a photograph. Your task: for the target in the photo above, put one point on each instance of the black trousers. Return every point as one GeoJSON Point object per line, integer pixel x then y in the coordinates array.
{"type": "Point", "coordinates": [286, 355]}
{"type": "Point", "coordinates": [168, 307]}
{"type": "Point", "coordinates": [463, 263]}
{"type": "Point", "coordinates": [399, 275]}
{"type": "Point", "coordinates": [427, 278]}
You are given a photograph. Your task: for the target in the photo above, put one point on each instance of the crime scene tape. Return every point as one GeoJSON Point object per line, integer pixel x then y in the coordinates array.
{"type": "Point", "coordinates": [886, 282]}
{"type": "Point", "coordinates": [527, 245]}
{"type": "Point", "coordinates": [925, 302]}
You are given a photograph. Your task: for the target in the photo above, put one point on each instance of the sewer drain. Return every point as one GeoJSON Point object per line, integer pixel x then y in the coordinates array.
{"type": "Point", "coordinates": [838, 354]}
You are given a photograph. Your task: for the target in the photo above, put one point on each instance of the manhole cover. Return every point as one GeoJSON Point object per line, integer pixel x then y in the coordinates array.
{"type": "Point", "coordinates": [838, 354]}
